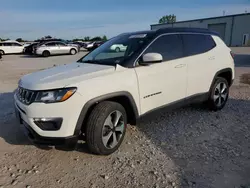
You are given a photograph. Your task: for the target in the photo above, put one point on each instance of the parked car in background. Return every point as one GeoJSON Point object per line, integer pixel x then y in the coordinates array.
{"type": "Point", "coordinates": [29, 49]}
{"type": "Point", "coordinates": [118, 48]}
{"type": "Point", "coordinates": [89, 46]}
{"type": "Point", "coordinates": [80, 44]}
{"type": "Point", "coordinates": [11, 47]}
{"type": "Point", "coordinates": [93, 45]}
{"type": "Point", "coordinates": [55, 47]}
{"type": "Point", "coordinates": [96, 45]}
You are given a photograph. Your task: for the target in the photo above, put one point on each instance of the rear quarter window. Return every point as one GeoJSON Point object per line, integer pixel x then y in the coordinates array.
{"type": "Point", "coordinates": [195, 44]}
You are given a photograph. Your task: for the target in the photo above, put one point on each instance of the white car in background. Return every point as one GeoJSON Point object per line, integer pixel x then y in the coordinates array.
{"type": "Point", "coordinates": [56, 48]}
{"type": "Point", "coordinates": [11, 47]}
{"type": "Point", "coordinates": [118, 48]}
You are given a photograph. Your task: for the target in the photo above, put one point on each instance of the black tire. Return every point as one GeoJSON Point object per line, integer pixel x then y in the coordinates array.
{"type": "Point", "coordinates": [95, 128]}
{"type": "Point", "coordinates": [117, 49]}
{"type": "Point", "coordinates": [46, 53]}
{"type": "Point", "coordinates": [212, 102]}
{"type": "Point", "coordinates": [2, 52]}
{"type": "Point", "coordinates": [73, 51]}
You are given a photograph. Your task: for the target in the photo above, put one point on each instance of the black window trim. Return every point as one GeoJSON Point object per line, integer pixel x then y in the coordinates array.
{"type": "Point", "coordinates": [174, 33]}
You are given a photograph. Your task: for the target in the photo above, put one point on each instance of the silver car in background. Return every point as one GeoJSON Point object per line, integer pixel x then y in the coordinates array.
{"type": "Point", "coordinates": [55, 48]}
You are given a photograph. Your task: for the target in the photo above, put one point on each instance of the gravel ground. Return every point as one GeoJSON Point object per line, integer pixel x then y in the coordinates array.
{"type": "Point", "coordinates": [188, 147]}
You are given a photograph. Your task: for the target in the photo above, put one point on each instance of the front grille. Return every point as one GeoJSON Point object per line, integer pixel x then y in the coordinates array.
{"type": "Point", "coordinates": [25, 96]}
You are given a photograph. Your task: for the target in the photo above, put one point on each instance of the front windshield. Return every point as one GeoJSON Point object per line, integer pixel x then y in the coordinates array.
{"type": "Point", "coordinates": [116, 50]}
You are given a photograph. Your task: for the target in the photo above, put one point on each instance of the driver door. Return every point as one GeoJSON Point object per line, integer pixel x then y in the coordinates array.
{"type": "Point", "coordinates": [165, 82]}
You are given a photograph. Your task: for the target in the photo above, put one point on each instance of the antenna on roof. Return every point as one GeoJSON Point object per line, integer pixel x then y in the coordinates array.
{"type": "Point", "coordinates": [224, 12]}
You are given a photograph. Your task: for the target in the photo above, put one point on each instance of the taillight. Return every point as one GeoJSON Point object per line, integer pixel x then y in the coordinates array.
{"type": "Point", "coordinates": [232, 54]}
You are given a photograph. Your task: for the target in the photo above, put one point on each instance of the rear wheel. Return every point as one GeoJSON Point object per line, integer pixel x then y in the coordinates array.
{"type": "Point", "coordinates": [72, 51]}
{"type": "Point", "coordinates": [1, 52]}
{"type": "Point", "coordinates": [218, 94]}
{"type": "Point", "coordinates": [46, 54]}
{"type": "Point", "coordinates": [106, 128]}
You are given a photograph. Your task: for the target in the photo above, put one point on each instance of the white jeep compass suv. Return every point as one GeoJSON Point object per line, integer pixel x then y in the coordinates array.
{"type": "Point", "coordinates": [100, 94]}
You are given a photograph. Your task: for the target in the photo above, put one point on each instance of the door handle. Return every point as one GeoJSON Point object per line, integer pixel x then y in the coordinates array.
{"type": "Point", "coordinates": [211, 58]}
{"type": "Point", "coordinates": [180, 66]}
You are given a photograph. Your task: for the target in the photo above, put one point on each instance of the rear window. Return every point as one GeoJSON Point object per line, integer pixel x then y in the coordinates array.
{"type": "Point", "coordinates": [197, 44]}
{"type": "Point", "coordinates": [15, 44]}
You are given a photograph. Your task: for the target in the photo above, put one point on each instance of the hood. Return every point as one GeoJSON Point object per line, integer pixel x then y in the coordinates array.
{"type": "Point", "coordinates": [61, 76]}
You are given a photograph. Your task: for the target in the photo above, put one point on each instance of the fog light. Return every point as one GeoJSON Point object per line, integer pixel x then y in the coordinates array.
{"type": "Point", "coordinates": [48, 124]}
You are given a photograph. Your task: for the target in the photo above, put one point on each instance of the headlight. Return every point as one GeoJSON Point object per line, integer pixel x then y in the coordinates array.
{"type": "Point", "coordinates": [52, 96]}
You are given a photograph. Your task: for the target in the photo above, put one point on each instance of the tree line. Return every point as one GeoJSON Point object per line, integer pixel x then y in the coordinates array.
{"type": "Point", "coordinates": [169, 19]}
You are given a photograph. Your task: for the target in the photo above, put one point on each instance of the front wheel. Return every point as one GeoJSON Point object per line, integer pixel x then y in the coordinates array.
{"type": "Point", "coordinates": [218, 94]}
{"type": "Point", "coordinates": [106, 128]}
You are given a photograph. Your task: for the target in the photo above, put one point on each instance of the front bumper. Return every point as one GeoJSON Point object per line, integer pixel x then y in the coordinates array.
{"type": "Point", "coordinates": [49, 141]}
{"type": "Point", "coordinates": [34, 114]}
{"type": "Point", "coordinates": [43, 140]}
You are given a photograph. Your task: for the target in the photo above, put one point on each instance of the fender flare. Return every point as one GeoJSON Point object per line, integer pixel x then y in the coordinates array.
{"type": "Point", "coordinates": [218, 73]}
{"type": "Point", "coordinates": [101, 98]}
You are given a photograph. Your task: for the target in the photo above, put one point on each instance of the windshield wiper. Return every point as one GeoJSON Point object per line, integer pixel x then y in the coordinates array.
{"type": "Point", "coordinates": [98, 62]}
{"type": "Point", "coordinates": [91, 61]}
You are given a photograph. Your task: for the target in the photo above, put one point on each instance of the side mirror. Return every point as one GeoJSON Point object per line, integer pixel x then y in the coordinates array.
{"type": "Point", "coordinates": [151, 58]}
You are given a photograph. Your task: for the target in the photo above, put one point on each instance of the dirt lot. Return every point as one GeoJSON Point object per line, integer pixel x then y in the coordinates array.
{"type": "Point", "coordinates": [189, 147]}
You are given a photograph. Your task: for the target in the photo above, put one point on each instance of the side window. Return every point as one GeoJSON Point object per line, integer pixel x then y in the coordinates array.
{"type": "Point", "coordinates": [60, 44]}
{"type": "Point", "coordinates": [169, 46]}
{"type": "Point", "coordinates": [7, 44]}
{"type": "Point", "coordinates": [197, 44]}
{"type": "Point", "coordinates": [51, 44]}
{"type": "Point", "coordinates": [15, 44]}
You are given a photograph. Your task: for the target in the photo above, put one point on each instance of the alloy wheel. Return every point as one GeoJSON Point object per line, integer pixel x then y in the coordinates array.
{"type": "Point", "coordinates": [113, 129]}
{"type": "Point", "coordinates": [220, 94]}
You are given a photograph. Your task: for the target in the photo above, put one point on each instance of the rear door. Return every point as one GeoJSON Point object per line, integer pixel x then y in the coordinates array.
{"type": "Point", "coordinates": [62, 48]}
{"type": "Point", "coordinates": [165, 82]}
{"type": "Point", "coordinates": [199, 50]}
{"type": "Point", "coordinates": [16, 47]}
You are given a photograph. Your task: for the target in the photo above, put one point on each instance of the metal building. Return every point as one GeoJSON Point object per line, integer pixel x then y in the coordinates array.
{"type": "Point", "coordinates": [233, 29]}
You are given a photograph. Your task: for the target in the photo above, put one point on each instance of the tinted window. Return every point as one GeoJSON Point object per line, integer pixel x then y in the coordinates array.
{"type": "Point", "coordinates": [15, 44]}
{"type": "Point", "coordinates": [60, 44]}
{"type": "Point", "coordinates": [51, 44]}
{"type": "Point", "coordinates": [169, 46]}
{"type": "Point", "coordinates": [197, 44]}
{"type": "Point", "coordinates": [7, 44]}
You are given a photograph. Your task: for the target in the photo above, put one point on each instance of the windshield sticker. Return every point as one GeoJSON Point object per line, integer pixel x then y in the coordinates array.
{"type": "Point", "coordinates": [138, 36]}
